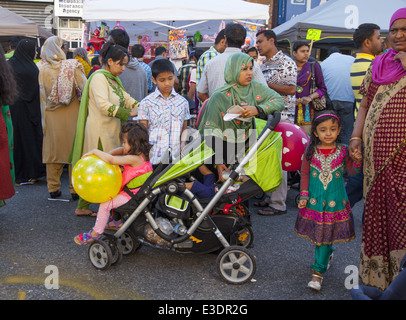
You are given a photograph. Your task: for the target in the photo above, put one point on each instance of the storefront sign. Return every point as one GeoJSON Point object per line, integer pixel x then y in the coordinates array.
{"type": "Point", "coordinates": [68, 8]}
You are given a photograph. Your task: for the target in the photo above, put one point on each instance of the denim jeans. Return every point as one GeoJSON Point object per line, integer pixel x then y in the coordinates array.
{"type": "Point", "coordinates": [345, 111]}
{"type": "Point", "coordinates": [354, 188]}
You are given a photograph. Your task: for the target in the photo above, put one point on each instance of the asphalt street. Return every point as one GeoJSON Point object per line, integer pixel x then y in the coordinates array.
{"type": "Point", "coordinates": [40, 261]}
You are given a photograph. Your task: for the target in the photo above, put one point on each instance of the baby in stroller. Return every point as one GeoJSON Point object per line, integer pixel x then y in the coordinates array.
{"type": "Point", "coordinates": [208, 188]}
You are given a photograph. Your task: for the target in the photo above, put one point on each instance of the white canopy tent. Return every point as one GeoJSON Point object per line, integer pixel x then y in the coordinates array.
{"type": "Point", "coordinates": [12, 24]}
{"type": "Point", "coordinates": [158, 33]}
{"type": "Point", "coordinates": [338, 19]}
{"type": "Point", "coordinates": [154, 18]}
{"type": "Point", "coordinates": [159, 11]}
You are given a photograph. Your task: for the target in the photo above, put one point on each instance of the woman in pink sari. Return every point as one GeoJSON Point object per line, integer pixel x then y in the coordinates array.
{"type": "Point", "coordinates": [381, 128]}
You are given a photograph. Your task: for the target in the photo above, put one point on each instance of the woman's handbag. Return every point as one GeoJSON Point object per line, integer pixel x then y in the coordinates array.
{"type": "Point", "coordinates": [318, 104]}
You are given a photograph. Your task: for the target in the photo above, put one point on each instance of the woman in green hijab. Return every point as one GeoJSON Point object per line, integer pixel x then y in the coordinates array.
{"type": "Point", "coordinates": [254, 98]}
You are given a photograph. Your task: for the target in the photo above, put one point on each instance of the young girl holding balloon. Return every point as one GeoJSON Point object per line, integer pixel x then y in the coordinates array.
{"type": "Point", "coordinates": [325, 214]}
{"type": "Point", "coordinates": [133, 157]}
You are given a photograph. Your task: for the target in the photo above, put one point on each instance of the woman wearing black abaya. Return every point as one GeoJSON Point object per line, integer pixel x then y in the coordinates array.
{"type": "Point", "coordinates": [26, 115]}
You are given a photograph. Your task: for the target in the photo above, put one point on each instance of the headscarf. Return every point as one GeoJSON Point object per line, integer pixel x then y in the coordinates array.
{"type": "Point", "coordinates": [81, 55]}
{"type": "Point", "coordinates": [385, 69]}
{"type": "Point", "coordinates": [25, 70]}
{"type": "Point", "coordinates": [52, 51]}
{"type": "Point", "coordinates": [232, 93]}
{"type": "Point", "coordinates": [62, 89]}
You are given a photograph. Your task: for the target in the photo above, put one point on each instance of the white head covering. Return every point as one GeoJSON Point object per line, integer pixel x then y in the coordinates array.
{"type": "Point", "coordinates": [52, 51]}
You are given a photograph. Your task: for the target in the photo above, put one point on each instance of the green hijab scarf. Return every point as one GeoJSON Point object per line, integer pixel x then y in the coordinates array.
{"type": "Point", "coordinates": [77, 148]}
{"type": "Point", "coordinates": [233, 93]}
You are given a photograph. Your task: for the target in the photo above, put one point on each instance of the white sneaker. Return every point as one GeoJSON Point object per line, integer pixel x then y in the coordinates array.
{"type": "Point", "coordinates": [315, 285]}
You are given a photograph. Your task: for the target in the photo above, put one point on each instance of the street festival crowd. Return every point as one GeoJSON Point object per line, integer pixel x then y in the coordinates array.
{"type": "Point", "coordinates": [52, 100]}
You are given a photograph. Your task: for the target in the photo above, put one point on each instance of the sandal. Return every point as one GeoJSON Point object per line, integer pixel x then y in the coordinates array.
{"type": "Point", "coordinates": [85, 238]}
{"type": "Point", "coordinates": [113, 224]}
{"type": "Point", "coordinates": [85, 213]}
{"type": "Point", "coordinates": [315, 284]}
{"type": "Point", "coordinates": [261, 204]}
{"type": "Point", "coordinates": [271, 212]}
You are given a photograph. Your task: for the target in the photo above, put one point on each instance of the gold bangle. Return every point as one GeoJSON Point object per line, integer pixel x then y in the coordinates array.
{"type": "Point", "coordinates": [355, 138]}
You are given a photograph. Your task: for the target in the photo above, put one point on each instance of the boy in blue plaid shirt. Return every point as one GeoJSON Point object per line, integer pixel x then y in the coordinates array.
{"type": "Point", "coordinates": [164, 112]}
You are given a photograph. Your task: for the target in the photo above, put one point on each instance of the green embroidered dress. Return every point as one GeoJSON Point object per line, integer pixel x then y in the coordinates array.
{"type": "Point", "coordinates": [327, 217]}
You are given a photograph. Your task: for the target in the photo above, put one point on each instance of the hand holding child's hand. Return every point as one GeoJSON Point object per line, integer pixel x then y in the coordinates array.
{"type": "Point", "coordinates": [356, 156]}
{"type": "Point", "coordinates": [302, 203]}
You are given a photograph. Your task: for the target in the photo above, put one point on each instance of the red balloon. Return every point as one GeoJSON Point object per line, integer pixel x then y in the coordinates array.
{"type": "Point", "coordinates": [295, 141]}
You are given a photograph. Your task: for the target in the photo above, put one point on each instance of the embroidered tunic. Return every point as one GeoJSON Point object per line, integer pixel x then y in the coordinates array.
{"type": "Point", "coordinates": [106, 102]}
{"type": "Point", "coordinates": [327, 217]}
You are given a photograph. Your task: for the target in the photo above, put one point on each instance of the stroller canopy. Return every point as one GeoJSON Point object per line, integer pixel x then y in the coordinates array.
{"type": "Point", "coordinates": [265, 167]}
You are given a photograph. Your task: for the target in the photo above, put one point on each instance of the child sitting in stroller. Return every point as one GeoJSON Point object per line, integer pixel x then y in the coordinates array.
{"type": "Point", "coordinates": [133, 156]}
{"type": "Point", "coordinates": [208, 188]}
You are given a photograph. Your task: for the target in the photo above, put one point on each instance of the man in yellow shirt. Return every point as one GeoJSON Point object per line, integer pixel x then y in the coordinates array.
{"type": "Point", "coordinates": [369, 43]}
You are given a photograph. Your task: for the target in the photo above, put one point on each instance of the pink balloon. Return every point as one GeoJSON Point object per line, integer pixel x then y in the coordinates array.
{"type": "Point", "coordinates": [295, 141]}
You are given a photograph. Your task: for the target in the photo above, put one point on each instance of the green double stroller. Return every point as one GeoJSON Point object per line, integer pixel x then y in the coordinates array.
{"type": "Point", "coordinates": [166, 215]}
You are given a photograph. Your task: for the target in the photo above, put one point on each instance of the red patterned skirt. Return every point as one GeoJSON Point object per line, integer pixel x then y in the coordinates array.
{"type": "Point", "coordinates": [384, 232]}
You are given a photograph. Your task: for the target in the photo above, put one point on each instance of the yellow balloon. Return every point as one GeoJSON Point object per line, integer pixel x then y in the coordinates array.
{"type": "Point", "coordinates": [95, 180]}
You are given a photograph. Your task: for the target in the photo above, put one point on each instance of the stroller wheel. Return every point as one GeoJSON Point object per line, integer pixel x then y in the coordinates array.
{"type": "Point", "coordinates": [236, 265]}
{"type": "Point", "coordinates": [129, 242]}
{"type": "Point", "coordinates": [117, 252]}
{"type": "Point", "coordinates": [100, 255]}
{"type": "Point", "coordinates": [260, 195]}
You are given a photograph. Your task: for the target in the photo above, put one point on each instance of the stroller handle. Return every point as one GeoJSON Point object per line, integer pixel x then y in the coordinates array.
{"type": "Point", "coordinates": [272, 122]}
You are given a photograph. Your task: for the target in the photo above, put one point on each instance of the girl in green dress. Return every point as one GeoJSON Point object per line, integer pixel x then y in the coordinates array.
{"type": "Point", "coordinates": [325, 214]}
